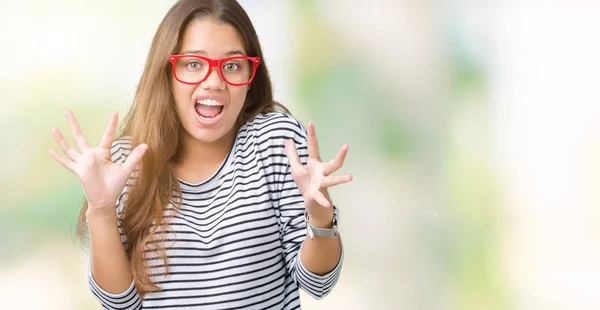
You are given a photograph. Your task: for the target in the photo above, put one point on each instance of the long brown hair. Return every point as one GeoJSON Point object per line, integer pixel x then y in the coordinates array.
{"type": "Point", "coordinates": [152, 119]}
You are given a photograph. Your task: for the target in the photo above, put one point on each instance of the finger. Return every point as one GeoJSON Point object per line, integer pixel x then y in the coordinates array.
{"type": "Point", "coordinates": [292, 155]}
{"type": "Point", "coordinates": [321, 200]}
{"type": "Point", "coordinates": [336, 180]}
{"type": "Point", "coordinates": [134, 157]}
{"type": "Point", "coordinates": [64, 145]}
{"type": "Point", "coordinates": [76, 130]}
{"type": "Point", "coordinates": [61, 160]}
{"type": "Point", "coordinates": [337, 162]}
{"type": "Point", "coordinates": [313, 144]}
{"type": "Point", "coordinates": [109, 132]}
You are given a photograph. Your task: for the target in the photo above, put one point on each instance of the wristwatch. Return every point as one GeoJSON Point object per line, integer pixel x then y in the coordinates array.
{"type": "Point", "coordinates": [322, 232]}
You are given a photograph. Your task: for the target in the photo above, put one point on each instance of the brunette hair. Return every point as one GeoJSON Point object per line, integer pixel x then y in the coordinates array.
{"type": "Point", "coordinates": [152, 119]}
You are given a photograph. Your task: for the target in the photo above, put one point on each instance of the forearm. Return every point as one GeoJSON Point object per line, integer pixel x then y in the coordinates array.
{"type": "Point", "coordinates": [109, 263]}
{"type": "Point", "coordinates": [322, 254]}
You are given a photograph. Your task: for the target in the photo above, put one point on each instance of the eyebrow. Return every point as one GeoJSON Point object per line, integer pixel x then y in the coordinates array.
{"type": "Point", "coordinates": [230, 53]}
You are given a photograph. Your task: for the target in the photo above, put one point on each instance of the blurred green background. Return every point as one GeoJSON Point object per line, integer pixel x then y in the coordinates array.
{"type": "Point", "coordinates": [473, 130]}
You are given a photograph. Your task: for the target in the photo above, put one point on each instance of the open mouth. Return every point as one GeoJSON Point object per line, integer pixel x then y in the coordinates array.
{"type": "Point", "coordinates": [208, 108]}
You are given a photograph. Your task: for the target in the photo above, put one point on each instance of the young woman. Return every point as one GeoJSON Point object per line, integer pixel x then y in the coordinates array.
{"type": "Point", "coordinates": [221, 196]}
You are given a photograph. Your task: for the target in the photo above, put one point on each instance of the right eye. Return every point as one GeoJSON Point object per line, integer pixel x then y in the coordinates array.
{"type": "Point", "coordinates": [193, 65]}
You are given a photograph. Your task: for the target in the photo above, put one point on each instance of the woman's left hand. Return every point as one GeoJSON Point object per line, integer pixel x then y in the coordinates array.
{"type": "Point", "coordinates": [314, 178]}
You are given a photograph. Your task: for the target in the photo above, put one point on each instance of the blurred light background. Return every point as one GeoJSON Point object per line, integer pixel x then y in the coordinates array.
{"type": "Point", "coordinates": [474, 132]}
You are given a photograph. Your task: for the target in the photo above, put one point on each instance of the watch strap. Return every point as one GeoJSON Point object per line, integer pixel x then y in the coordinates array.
{"type": "Point", "coordinates": [322, 232]}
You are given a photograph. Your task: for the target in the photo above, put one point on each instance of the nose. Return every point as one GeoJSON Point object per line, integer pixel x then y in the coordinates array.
{"type": "Point", "coordinates": [213, 81]}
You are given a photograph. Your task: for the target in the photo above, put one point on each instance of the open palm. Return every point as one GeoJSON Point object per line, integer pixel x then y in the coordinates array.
{"type": "Point", "coordinates": [101, 179]}
{"type": "Point", "coordinates": [314, 178]}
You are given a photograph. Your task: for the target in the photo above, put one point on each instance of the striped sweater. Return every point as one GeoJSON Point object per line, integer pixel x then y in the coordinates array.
{"type": "Point", "coordinates": [234, 243]}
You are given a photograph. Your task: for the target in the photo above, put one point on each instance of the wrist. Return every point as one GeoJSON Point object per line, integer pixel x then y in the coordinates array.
{"type": "Point", "coordinates": [322, 227]}
{"type": "Point", "coordinates": [320, 216]}
{"type": "Point", "coordinates": [326, 223]}
{"type": "Point", "coordinates": [100, 214]}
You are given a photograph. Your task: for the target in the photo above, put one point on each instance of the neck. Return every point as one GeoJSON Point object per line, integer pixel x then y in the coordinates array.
{"type": "Point", "coordinates": [200, 160]}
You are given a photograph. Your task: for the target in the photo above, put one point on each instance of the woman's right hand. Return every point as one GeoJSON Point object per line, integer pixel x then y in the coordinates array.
{"type": "Point", "coordinates": [101, 179]}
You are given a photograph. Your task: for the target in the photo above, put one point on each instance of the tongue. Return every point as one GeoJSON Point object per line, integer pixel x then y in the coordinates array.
{"type": "Point", "coordinates": [208, 111]}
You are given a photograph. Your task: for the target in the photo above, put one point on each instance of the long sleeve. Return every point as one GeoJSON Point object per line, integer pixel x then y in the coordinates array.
{"type": "Point", "coordinates": [130, 299]}
{"type": "Point", "coordinates": [290, 210]}
{"type": "Point", "coordinates": [293, 232]}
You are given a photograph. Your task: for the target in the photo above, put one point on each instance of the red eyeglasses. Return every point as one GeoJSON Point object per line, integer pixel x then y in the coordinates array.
{"type": "Point", "coordinates": [194, 69]}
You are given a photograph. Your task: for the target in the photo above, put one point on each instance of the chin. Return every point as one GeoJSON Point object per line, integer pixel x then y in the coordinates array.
{"type": "Point", "coordinates": [211, 134]}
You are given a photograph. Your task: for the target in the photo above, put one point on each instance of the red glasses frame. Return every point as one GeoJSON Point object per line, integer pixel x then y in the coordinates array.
{"type": "Point", "coordinates": [214, 63]}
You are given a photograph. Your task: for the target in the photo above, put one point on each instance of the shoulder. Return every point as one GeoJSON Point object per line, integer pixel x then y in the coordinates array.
{"type": "Point", "coordinates": [120, 149]}
{"type": "Point", "coordinates": [275, 126]}
{"type": "Point", "coordinates": [268, 133]}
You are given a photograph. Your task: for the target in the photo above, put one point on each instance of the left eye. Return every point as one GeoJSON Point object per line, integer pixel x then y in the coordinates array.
{"type": "Point", "coordinates": [230, 66]}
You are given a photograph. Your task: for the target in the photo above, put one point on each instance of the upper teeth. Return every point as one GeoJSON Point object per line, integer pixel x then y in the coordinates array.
{"type": "Point", "coordinates": [209, 102]}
